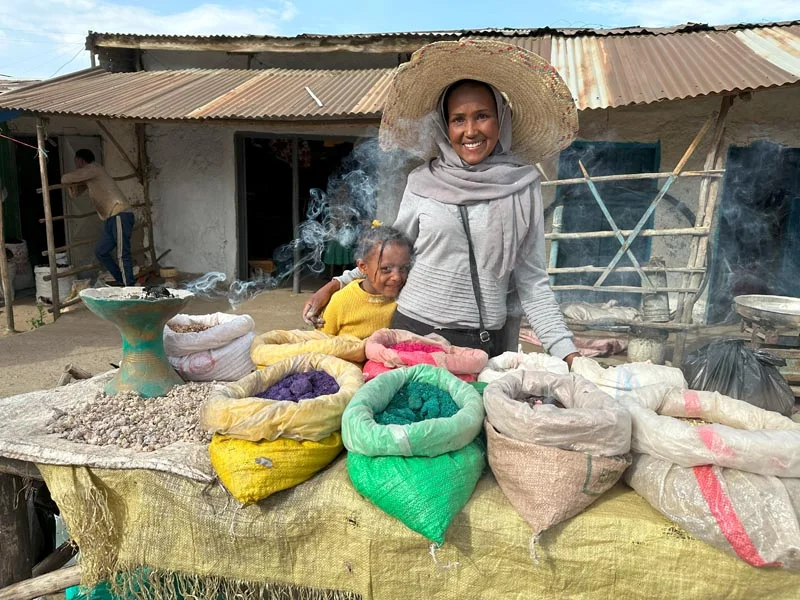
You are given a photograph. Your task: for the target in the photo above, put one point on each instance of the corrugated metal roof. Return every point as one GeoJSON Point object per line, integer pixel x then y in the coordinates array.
{"type": "Point", "coordinates": [9, 85]}
{"type": "Point", "coordinates": [602, 71]}
{"type": "Point", "coordinates": [119, 39]}
{"type": "Point", "coordinates": [209, 94]}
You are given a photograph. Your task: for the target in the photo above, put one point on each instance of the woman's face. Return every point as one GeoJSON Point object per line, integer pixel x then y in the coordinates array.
{"type": "Point", "coordinates": [472, 124]}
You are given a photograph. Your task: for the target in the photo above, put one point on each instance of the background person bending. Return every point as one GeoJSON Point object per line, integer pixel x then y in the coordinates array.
{"type": "Point", "coordinates": [114, 248]}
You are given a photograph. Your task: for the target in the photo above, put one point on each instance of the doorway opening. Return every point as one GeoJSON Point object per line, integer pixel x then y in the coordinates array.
{"type": "Point", "coordinates": [264, 191]}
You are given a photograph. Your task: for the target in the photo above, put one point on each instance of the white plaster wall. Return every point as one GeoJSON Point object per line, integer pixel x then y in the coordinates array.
{"type": "Point", "coordinates": [192, 186]}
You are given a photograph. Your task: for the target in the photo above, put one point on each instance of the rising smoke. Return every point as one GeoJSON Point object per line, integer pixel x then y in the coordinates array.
{"type": "Point", "coordinates": [367, 177]}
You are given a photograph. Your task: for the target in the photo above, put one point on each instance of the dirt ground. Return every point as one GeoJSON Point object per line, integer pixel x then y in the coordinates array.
{"type": "Point", "coordinates": [34, 359]}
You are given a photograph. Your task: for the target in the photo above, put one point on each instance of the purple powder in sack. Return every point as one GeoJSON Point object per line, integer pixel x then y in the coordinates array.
{"type": "Point", "coordinates": [300, 386]}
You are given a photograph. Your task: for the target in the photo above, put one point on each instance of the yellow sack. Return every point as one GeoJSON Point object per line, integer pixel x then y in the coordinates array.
{"type": "Point", "coordinates": [235, 411]}
{"type": "Point", "coordinates": [278, 345]}
{"type": "Point", "coordinates": [251, 471]}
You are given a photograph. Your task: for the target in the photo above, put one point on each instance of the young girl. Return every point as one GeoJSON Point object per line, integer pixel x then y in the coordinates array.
{"type": "Point", "coordinates": [362, 307]}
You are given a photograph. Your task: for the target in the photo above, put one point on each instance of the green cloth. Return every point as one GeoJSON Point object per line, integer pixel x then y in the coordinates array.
{"type": "Point", "coordinates": [336, 254]}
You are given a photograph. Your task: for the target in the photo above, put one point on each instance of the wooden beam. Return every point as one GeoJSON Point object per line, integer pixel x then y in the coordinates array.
{"type": "Point", "coordinates": [296, 213]}
{"type": "Point", "coordinates": [634, 176]}
{"type": "Point", "coordinates": [61, 186]}
{"type": "Point", "coordinates": [119, 148]}
{"type": "Point", "coordinates": [44, 585]}
{"type": "Point", "coordinates": [5, 280]}
{"type": "Point", "coordinates": [16, 557]}
{"type": "Point", "coordinates": [581, 235]}
{"type": "Point", "coordinates": [82, 215]}
{"type": "Point", "coordinates": [144, 170]}
{"type": "Point", "coordinates": [80, 243]}
{"type": "Point", "coordinates": [48, 215]}
{"type": "Point", "coordinates": [57, 559]}
{"type": "Point", "coordinates": [619, 289]}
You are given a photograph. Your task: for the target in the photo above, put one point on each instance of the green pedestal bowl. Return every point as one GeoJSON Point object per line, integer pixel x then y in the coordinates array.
{"type": "Point", "coordinates": [144, 368]}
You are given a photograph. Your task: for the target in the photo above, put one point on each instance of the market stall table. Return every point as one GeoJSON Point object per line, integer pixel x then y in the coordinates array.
{"type": "Point", "coordinates": [165, 511]}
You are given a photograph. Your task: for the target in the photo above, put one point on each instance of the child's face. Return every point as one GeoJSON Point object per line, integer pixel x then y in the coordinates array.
{"type": "Point", "coordinates": [388, 278]}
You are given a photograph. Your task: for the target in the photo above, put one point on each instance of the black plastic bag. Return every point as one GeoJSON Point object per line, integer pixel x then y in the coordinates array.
{"type": "Point", "coordinates": [727, 366]}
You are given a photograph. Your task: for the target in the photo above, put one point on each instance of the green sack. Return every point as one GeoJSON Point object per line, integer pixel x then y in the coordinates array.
{"type": "Point", "coordinates": [425, 493]}
{"type": "Point", "coordinates": [432, 437]}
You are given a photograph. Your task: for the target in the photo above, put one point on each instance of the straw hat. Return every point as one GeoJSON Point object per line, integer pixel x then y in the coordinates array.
{"type": "Point", "coordinates": [544, 115]}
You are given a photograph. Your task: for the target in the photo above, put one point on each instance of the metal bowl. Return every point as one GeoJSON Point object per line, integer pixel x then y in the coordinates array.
{"type": "Point", "coordinates": [776, 310]}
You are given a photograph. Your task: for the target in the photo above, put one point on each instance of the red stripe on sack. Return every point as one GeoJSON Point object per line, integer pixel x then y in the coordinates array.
{"type": "Point", "coordinates": [714, 442]}
{"type": "Point", "coordinates": [728, 521]}
{"type": "Point", "coordinates": [691, 402]}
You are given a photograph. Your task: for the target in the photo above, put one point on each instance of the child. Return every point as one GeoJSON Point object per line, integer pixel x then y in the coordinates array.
{"type": "Point", "coordinates": [366, 305]}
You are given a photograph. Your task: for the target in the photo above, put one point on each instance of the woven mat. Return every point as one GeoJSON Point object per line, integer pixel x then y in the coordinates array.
{"type": "Point", "coordinates": [323, 536]}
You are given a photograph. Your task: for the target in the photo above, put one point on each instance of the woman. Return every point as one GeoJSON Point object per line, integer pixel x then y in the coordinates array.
{"type": "Point", "coordinates": [474, 213]}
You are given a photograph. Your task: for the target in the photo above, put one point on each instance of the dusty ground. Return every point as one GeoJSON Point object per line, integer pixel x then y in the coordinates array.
{"type": "Point", "coordinates": [35, 359]}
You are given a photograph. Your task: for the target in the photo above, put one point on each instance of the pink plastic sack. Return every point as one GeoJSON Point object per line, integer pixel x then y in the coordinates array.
{"type": "Point", "coordinates": [388, 349]}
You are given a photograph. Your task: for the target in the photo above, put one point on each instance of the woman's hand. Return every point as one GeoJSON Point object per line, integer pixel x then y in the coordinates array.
{"type": "Point", "coordinates": [312, 310]}
{"type": "Point", "coordinates": [569, 358]}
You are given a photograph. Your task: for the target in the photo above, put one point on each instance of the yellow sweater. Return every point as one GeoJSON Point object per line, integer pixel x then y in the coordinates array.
{"type": "Point", "coordinates": [354, 311]}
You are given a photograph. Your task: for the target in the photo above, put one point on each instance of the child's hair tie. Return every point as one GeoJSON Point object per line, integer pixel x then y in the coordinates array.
{"type": "Point", "coordinates": [376, 224]}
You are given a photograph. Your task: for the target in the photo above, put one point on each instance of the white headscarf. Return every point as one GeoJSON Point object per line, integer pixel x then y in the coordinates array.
{"type": "Point", "coordinates": [502, 179]}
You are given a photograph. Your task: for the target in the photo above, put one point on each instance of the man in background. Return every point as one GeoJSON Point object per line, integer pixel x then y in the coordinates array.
{"type": "Point", "coordinates": [114, 248]}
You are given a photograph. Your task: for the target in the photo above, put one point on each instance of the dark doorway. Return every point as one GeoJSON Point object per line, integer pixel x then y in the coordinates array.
{"type": "Point", "coordinates": [31, 208]}
{"type": "Point", "coordinates": [627, 201]}
{"type": "Point", "coordinates": [264, 184]}
{"type": "Point", "coordinates": [756, 249]}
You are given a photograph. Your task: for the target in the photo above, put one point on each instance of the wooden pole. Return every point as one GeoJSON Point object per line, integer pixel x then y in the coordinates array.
{"type": "Point", "coordinates": [48, 215]}
{"type": "Point", "coordinates": [581, 235]}
{"type": "Point", "coordinates": [634, 176]}
{"type": "Point", "coordinates": [43, 585]}
{"type": "Point", "coordinates": [5, 280]}
{"type": "Point", "coordinates": [296, 213]}
{"type": "Point", "coordinates": [141, 144]}
{"type": "Point", "coordinates": [16, 559]}
{"type": "Point", "coordinates": [119, 148]}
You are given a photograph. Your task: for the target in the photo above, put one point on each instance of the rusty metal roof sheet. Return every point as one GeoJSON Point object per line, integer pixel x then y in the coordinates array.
{"type": "Point", "coordinates": [196, 94]}
{"type": "Point", "coordinates": [602, 71]}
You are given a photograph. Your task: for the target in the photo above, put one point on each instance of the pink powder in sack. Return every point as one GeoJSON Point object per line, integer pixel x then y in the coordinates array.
{"type": "Point", "coordinates": [416, 347]}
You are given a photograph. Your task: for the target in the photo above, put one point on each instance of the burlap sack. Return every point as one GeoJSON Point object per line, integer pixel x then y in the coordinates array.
{"type": "Point", "coordinates": [754, 517]}
{"type": "Point", "coordinates": [237, 412]}
{"type": "Point", "coordinates": [590, 422]}
{"type": "Point", "coordinates": [547, 485]}
{"type": "Point", "coordinates": [274, 346]}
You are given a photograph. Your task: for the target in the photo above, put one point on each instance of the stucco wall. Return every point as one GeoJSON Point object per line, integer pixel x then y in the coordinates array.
{"type": "Point", "coordinates": [193, 188]}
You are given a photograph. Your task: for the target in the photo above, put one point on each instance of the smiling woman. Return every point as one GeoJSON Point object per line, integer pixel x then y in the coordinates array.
{"type": "Point", "coordinates": [474, 211]}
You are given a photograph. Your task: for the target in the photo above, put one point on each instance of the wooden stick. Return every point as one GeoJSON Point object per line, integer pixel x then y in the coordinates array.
{"type": "Point", "coordinates": [669, 326]}
{"type": "Point", "coordinates": [622, 241]}
{"type": "Point", "coordinates": [43, 585]}
{"type": "Point", "coordinates": [141, 144]}
{"type": "Point", "coordinates": [56, 560]}
{"type": "Point", "coordinates": [16, 558]}
{"type": "Point", "coordinates": [634, 176]}
{"type": "Point", "coordinates": [620, 289]}
{"type": "Point", "coordinates": [84, 215]}
{"type": "Point", "coordinates": [5, 280]}
{"type": "Point", "coordinates": [48, 215]}
{"type": "Point", "coordinates": [119, 148]}
{"type": "Point", "coordinates": [61, 186]}
{"type": "Point", "coordinates": [593, 269]}
{"type": "Point", "coordinates": [580, 235]}
{"type": "Point", "coordinates": [296, 212]}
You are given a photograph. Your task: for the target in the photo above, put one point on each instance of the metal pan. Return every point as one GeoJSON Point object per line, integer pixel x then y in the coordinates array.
{"type": "Point", "coordinates": [776, 310]}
